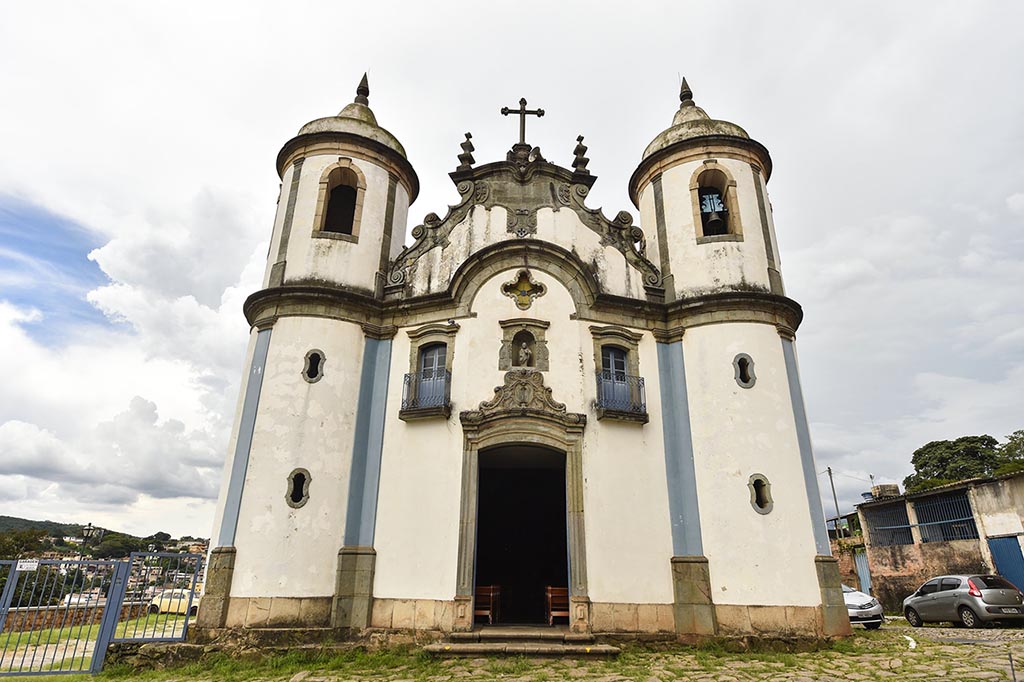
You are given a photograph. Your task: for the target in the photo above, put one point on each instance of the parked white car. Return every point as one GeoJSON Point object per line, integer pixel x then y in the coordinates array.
{"type": "Point", "coordinates": [862, 608]}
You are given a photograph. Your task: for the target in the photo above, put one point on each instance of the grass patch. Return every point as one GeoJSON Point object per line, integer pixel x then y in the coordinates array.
{"type": "Point", "coordinates": [411, 662]}
{"type": "Point", "coordinates": [145, 626]}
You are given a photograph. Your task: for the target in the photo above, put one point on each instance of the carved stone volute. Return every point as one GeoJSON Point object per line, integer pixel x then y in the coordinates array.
{"type": "Point", "coordinates": [522, 394]}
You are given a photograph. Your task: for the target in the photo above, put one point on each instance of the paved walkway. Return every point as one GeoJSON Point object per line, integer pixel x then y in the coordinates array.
{"type": "Point", "coordinates": [894, 652]}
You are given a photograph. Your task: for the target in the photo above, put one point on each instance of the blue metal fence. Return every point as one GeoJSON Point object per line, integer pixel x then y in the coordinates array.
{"type": "Point", "coordinates": [888, 525]}
{"type": "Point", "coordinates": [59, 617]}
{"type": "Point", "coordinates": [946, 517]}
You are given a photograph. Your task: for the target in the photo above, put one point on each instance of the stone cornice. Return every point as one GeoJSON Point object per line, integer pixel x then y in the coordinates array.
{"type": "Point", "coordinates": [349, 144]}
{"type": "Point", "coordinates": [708, 147]}
{"type": "Point", "coordinates": [667, 321]}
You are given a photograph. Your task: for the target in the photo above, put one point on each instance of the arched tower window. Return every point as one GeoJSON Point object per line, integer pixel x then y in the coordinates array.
{"type": "Point", "coordinates": [341, 201]}
{"type": "Point", "coordinates": [715, 211]}
{"type": "Point", "coordinates": [339, 206]}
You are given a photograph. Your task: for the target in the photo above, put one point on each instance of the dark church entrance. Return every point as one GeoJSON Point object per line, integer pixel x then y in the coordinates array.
{"type": "Point", "coordinates": [521, 532]}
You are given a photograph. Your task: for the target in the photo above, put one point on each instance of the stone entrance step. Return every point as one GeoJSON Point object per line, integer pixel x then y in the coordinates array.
{"type": "Point", "coordinates": [520, 640]}
{"type": "Point", "coordinates": [520, 649]}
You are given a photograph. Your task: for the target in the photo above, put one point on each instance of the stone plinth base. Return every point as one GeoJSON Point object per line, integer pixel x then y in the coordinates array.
{"type": "Point", "coordinates": [213, 609]}
{"type": "Point", "coordinates": [353, 592]}
{"type": "Point", "coordinates": [693, 610]}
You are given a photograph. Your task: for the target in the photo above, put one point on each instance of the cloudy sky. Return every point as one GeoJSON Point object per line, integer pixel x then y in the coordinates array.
{"type": "Point", "coordinates": [137, 191]}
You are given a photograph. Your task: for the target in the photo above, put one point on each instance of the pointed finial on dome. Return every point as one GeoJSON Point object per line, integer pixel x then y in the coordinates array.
{"type": "Point", "coordinates": [685, 94]}
{"type": "Point", "coordinates": [363, 92]}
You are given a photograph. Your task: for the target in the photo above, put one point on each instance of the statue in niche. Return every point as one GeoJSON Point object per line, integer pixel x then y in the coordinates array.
{"type": "Point", "coordinates": [522, 349]}
{"type": "Point", "coordinates": [525, 355]}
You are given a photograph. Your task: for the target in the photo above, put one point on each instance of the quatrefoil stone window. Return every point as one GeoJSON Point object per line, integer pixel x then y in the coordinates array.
{"type": "Point", "coordinates": [523, 289]}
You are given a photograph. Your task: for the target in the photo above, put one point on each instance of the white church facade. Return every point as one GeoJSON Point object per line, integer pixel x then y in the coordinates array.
{"type": "Point", "coordinates": [533, 413]}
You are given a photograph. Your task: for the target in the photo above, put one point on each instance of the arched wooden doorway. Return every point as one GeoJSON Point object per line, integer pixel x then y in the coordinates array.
{"type": "Point", "coordinates": [523, 413]}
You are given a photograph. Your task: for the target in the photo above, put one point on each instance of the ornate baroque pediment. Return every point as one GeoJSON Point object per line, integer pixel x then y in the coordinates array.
{"type": "Point", "coordinates": [523, 189]}
{"type": "Point", "coordinates": [522, 394]}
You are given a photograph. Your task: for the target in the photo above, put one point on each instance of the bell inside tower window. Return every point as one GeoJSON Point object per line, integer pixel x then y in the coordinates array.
{"type": "Point", "coordinates": [714, 216]}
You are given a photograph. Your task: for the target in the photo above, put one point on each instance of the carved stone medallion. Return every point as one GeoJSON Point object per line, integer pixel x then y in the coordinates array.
{"type": "Point", "coordinates": [523, 290]}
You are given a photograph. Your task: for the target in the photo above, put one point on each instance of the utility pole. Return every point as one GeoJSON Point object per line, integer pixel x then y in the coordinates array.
{"type": "Point", "coordinates": [834, 499]}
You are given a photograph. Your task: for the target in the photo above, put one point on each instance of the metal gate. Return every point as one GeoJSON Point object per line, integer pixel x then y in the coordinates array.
{"type": "Point", "coordinates": [1008, 560]}
{"type": "Point", "coordinates": [860, 560]}
{"type": "Point", "coordinates": [58, 616]}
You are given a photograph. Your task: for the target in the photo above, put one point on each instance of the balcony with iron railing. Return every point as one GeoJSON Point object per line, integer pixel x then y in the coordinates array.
{"type": "Point", "coordinates": [426, 394]}
{"type": "Point", "coordinates": [621, 396]}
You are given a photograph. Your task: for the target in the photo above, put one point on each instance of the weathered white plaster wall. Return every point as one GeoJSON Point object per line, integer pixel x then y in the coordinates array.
{"type": "Point", "coordinates": [335, 260]}
{"type": "Point", "coordinates": [401, 221]}
{"type": "Point", "coordinates": [998, 507]}
{"type": "Point", "coordinates": [483, 227]}
{"type": "Point", "coordinates": [275, 234]}
{"type": "Point", "coordinates": [286, 552]}
{"type": "Point", "coordinates": [753, 558]}
{"type": "Point", "coordinates": [629, 536]}
{"type": "Point", "coordinates": [707, 268]}
{"type": "Point", "coordinates": [625, 500]}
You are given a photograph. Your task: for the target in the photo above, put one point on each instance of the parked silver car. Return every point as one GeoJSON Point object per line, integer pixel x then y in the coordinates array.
{"type": "Point", "coordinates": [968, 600]}
{"type": "Point", "coordinates": [862, 608]}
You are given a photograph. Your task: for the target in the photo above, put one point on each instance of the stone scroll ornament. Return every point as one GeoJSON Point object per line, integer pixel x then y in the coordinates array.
{"type": "Point", "coordinates": [523, 392]}
{"type": "Point", "coordinates": [523, 189]}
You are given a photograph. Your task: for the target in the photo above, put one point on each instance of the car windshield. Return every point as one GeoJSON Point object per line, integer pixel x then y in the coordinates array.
{"type": "Point", "coordinates": [847, 589]}
{"type": "Point", "coordinates": [993, 582]}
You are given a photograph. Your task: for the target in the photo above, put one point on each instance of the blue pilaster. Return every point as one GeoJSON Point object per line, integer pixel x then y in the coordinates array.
{"type": "Point", "coordinates": [246, 426]}
{"type": "Point", "coordinates": [679, 465]}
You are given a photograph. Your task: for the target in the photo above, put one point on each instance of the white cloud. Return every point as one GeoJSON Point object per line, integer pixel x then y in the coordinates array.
{"type": "Point", "coordinates": [897, 192]}
{"type": "Point", "coordinates": [1015, 202]}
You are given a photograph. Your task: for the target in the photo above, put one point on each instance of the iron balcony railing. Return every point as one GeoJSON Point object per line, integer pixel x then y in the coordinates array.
{"type": "Point", "coordinates": [621, 392]}
{"type": "Point", "coordinates": [427, 389]}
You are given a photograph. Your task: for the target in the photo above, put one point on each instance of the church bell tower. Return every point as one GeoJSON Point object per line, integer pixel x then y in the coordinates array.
{"type": "Point", "coordinates": [742, 481]}
{"type": "Point", "coordinates": [290, 499]}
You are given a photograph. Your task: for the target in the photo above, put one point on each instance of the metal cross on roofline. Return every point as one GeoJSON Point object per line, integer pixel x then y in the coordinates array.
{"type": "Point", "coordinates": [523, 113]}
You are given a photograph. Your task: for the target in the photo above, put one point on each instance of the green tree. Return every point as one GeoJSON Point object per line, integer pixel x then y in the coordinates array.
{"type": "Point", "coordinates": [16, 543]}
{"type": "Point", "coordinates": [947, 461]}
{"type": "Point", "coordinates": [117, 546]}
{"type": "Point", "coordinates": [1012, 450]}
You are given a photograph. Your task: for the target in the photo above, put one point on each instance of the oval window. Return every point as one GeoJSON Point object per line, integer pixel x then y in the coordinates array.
{"type": "Point", "coordinates": [298, 488]}
{"type": "Point", "coordinates": [760, 494]}
{"type": "Point", "coordinates": [743, 366]}
{"type": "Point", "coordinates": [313, 368]}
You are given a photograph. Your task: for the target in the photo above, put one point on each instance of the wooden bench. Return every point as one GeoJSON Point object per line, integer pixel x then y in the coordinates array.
{"type": "Point", "coordinates": [557, 602]}
{"type": "Point", "coordinates": [487, 602]}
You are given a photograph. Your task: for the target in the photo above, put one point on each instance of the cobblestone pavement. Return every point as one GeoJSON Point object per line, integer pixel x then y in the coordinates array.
{"type": "Point", "coordinates": [894, 652]}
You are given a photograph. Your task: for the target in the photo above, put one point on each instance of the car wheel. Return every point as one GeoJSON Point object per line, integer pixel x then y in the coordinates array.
{"type": "Point", "coordinates": [968, 618]}
{"type": "Point", "coordinates": [913, 617]}
{"type": "Point", "coordinates": [874, 626]}
{"type": "Point", "coordinates": [153, 608]}
{"type": "Point", "coordinates": [193, 611]}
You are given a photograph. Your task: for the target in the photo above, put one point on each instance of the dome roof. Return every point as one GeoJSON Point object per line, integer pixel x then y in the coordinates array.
{"type": "Point", "coordinates": [356, 119]}
{"type": "Point", "coordinates": [692, 122]}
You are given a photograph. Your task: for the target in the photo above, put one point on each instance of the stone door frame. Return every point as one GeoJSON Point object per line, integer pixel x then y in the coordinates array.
{"type": "Point", "coordinates": [522, 413]}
